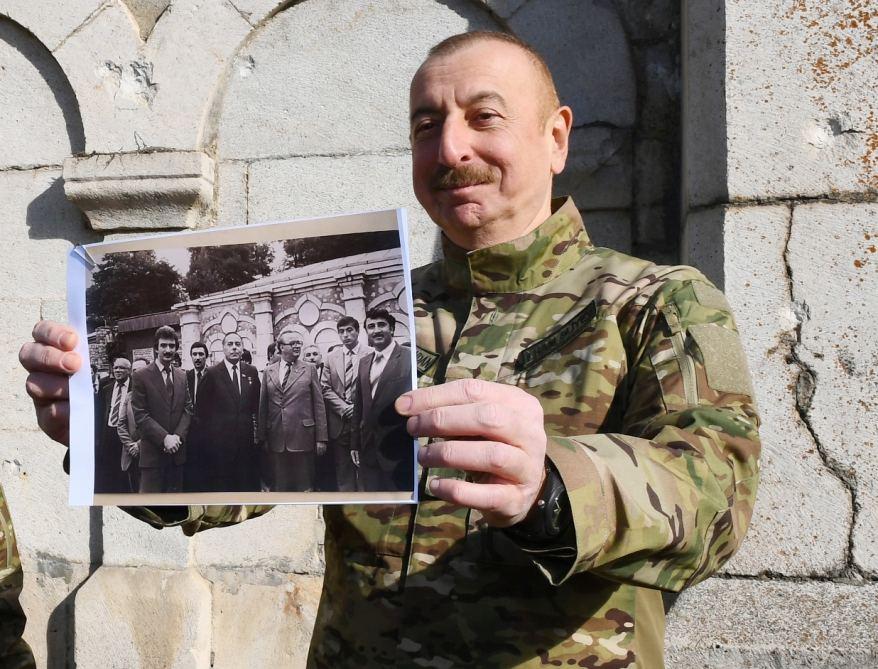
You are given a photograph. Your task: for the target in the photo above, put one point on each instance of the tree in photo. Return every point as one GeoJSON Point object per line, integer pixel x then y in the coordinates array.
{"type": "Point", "coordinates": [307, 251]}
{"type": "Point", "coordinates": [216, 268]}
{"type": "Point", "coordinates": [131, 284]}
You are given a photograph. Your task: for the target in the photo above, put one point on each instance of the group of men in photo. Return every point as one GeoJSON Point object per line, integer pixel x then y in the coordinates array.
{"type": "Point", "coordinates": [304, 426]}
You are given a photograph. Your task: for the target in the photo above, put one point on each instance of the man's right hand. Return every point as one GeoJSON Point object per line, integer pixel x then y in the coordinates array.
{"type": "Point", "coordinates": [355, 458]}
{"type": "Point", "coordinates": [51, 360]}
{"type": "Point", "coordinates": [172, 443]}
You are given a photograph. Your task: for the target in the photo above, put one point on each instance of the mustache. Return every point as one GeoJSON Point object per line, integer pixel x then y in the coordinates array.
{"type": "Point", "coordinates": [458, 177]}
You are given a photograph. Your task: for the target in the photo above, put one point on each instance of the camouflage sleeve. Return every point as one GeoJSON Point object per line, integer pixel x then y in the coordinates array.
{"type": "Point", "coordinates": [665, 502]}
{"type": "Point", "coordinates": [195, 518]}
{"type": "Point", "coordinates": [14, 651]}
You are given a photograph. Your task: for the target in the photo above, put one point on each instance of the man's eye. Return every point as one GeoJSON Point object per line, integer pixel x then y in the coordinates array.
{"type": "Point", "coordinates": [423, 128]}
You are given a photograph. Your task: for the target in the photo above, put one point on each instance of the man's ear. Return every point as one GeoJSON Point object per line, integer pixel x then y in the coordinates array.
{"type": "Point", "coordinates": [561, 122]}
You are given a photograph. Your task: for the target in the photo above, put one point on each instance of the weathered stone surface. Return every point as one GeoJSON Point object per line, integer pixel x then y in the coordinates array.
{"type": "Point", "coordinates": [293, 92]}
{"type": "Point", "coordinates": [143, 618]}
{"type": "Point", "coordinates": [504, 8]}
{"type": "Point", "coordinates": [733, 624]}
{"type": "Point", "coordinates": [38, 226]}
{"type": "Point", "coordinates": [704, 131]}
{"type": "Point", "coordinates": [255, 11]}
{"type": "Point", "coordinates": [287, 539]}
{"type": "Point", "coordinates": [50, 534]}
{"type": "Point", "coordinates": [132, 543]}
{"type": "Point", "coordinates": [154, 190]}
{"type": "Point", "coordinates": [609, 228]}
{"type": "Point", "coordinates": [286, 189]}
{"type": "Point", "coordinates": [37, 103]}
{"type": "Point", "coordinates": [47, 603]}
{"type": "Point", "coordinates": [50, 22]}
{"type": "Point", "coordinates": [145, 14]}
{"type": "Point", "coordinates": [264, 625]}
{"type": "Point", "coordinates": [231, 194]}
{"type": "Point", "coordinates": [834, 264]}
{"type": "Point", "coordinates": [656, 182]}
{"type": "Point", "coordinates": [792, 531]}
{"type": "Point", "coordinates": [598, 172]}
{"type": "Point", "coordinates": [134, 95]}
{"type": "Point", "coordinates": [801, 113]}
{"type": "Point", "coordinates": [649, 19]}
{"type": "Point", "coordinates": [584, 44]}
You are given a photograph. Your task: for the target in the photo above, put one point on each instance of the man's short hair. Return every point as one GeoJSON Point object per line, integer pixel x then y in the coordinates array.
{"type": "Point", "coordinates": [227, 334]}
{"type": "Point", "coordinates": [165, 332]}
{"type": "Point", "coordinates": [457, 42]}
{"type": "Point", "coordinates": [288, 335]}
{"type": "Point", "coordinates": [381, 315]}
{"type": "Point", "coordinates": [347, 321]}
{"type": "Point", "coordinates": [247, 357]}
{"type": "Point", "coordinates": [121, 357]}
{"type": "Point", "coordinates": [272, 347]}
{"type": "Point", "coordinates": [198, 344]}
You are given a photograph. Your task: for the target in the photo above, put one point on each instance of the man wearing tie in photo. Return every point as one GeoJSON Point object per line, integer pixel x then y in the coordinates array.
{"type": "Point", "coordinates": [292, 419]}
{"type": "Point", "coordinates": [109, 477]}
{"type": "Point", "coordinates": [227, 403]}
{"type": "Point", "coordinates": [193, 476]}
{"type": "Point", "coordinates": [162, 412]}
{"type": "Point", "coordinates": [380, 440]}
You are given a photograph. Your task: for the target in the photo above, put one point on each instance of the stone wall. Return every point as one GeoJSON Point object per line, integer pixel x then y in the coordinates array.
{"type": "Point", "coordinates": [779, 156]}
{"type": "Point", "coordinates": [123, 115]}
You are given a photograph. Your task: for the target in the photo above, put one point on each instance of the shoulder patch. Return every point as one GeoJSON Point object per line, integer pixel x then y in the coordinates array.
{"type": "Point", "coordinates": [425, 359]}
{"type": "Point", "coordinates": [710, 297]}
{"type": "Point", "coordinates": [557, 339]}
{"type": "Point", "coordinates": [724, 360]}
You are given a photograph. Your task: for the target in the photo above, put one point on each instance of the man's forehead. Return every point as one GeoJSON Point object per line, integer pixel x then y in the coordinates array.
{"type": "Point", "coordinates": [479, 70]}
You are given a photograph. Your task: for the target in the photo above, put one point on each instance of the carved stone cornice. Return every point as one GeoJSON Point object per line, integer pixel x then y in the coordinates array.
{"type": "Point", "coordinates": [141, 191]}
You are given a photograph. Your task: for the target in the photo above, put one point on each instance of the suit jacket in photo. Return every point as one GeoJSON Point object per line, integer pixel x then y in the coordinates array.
{"type": "Point", "coordinates": [157, 414]}
{"type": "Point", "coordinates": [226, 420]}
{"type": "Point", "coordinates": [128, 432]}
{"type": "Point", "coordinates": [291, 418]}
{"type": "Point", "coordinates": [333, 387]}
{"type": "Point", "coordinates": [379, 432]}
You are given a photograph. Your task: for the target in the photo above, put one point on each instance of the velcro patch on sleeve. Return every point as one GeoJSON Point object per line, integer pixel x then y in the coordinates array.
{"type": "Point", "coordinates": [724, 360]}
{"type": "Point", "coordinates": [710, 297]}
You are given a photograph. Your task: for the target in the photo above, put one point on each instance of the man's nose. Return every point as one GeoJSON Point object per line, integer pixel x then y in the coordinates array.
{"type": "Point", "coordinates": [454, 145]}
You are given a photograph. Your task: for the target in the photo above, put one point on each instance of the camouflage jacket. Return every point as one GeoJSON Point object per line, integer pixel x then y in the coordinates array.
{"type": "Point", "coordinates": [14, 651]}
{"type": "Point", "coordinates": [651, 425]}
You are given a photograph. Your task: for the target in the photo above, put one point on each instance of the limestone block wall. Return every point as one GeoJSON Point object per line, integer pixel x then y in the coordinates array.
{"type": "Point", "coordinates": [123, 115]}
{"type": "Point", "coordinates": [780, 137]}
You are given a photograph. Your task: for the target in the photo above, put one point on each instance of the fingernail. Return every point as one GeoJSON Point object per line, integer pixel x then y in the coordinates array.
{"type": "Point", "coordinates": [422, 453]}
{"type": "Point", "coordinates": [403, 403]}
{"type": "Point", "coordinates": [432, 483]}
{"type": "Point", "coordinates": [70, 361]}
{"type": "Point", "coordinates": [68, 340]}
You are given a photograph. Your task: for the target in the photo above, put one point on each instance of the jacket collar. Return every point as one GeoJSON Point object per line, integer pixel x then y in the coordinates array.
{"type": "Point", "coordinates": [523, 263]}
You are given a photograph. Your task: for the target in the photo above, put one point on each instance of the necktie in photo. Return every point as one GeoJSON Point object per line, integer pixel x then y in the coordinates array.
{"type": "Point", "coordinates": [117, 400]}
{"type": "Point", "coordinates": [375, 372]}
{"type": "Point", "coordinates": [287, 375]}
{"type": "Point", "coordinates": [197, 384]}
{"type": "Point", "coordinates": [235, 380]}
{"type": "Point", "coordinates": [349, 376]}
{"type": "Point", "coordinates": [169, 383]}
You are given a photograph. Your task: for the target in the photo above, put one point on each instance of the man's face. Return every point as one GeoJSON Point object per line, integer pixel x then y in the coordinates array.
{"type": "Point", "coordinates": [290, 348]}
{"type": "Point", "coordinates": [121, 369]}
{"type": "Point", "coordinates": [232, 348]}
{"type": "Point", "coordinates": [199, 358]}
{"type": "Point", "coordinates": [379, 332]}
{"type": "Point", "coordinates": [312, 355]}
{"type": "Point", "coordinates": [483, 156]}
{"type": "Point", "coordinates": [167, 349]}
{"type": "Point", "coordinates": [348, 335]}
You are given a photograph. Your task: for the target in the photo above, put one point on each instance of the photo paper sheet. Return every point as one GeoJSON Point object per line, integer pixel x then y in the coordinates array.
{"type": "Point", "coordinates": [245, 365]}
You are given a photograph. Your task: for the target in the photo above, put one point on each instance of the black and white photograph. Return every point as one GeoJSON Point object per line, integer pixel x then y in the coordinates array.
{"type": "Point", "coordinates": [257, 364]}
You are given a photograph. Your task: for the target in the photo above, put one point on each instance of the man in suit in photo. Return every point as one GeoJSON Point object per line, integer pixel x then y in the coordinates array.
{"type": "Point", "coordinates": [162, 413]}
{"type": "Point", "coordinates": [292, 418]}
{"type": "Point", "coordinates": [109, 477]}
{"type": "Point", "coordinates": [228, 401]}
{"type": "Point", "coordinates": [193, 475]}
{"type": "Point", "coordinates": [380, 441]}
{"type": "Point", "coordinates": [339, 383]}
{"type": "Point", "coordinates": [129, 434]}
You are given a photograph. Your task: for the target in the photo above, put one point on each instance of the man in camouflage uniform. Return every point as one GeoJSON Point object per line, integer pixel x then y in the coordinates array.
{"type": "Point", "coordinates": [14, 651]}
{"type": "Point", "coordinates": [595, 434]}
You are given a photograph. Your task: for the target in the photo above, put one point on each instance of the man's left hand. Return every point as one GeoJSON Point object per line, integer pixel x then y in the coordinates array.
{"type": "Point", "coordinates": [492, 430]}
{"type": "Point", "coordinates": [321, 447]}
